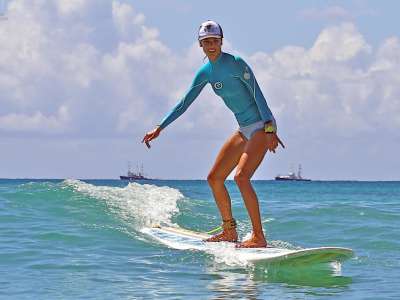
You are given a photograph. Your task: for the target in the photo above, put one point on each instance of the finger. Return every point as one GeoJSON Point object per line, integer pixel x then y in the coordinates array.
{"type": "Point", "coordinates": [272, 142]}
{"type": "Point", "coordinates": [146, 137]}
{"type": "Point", "coordinates": [152, 137]}
{"type": "Point", "coordinates": [268, 145]}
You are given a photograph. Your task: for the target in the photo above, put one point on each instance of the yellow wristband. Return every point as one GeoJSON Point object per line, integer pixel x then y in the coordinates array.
{"type": "Point", "coordinates": [269, 128]}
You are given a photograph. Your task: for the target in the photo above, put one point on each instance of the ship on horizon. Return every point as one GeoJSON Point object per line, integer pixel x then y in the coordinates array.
{"type": "Point", "coordinates": [138, 175]}
{"type": "Point", "coordinates": [292, 176]}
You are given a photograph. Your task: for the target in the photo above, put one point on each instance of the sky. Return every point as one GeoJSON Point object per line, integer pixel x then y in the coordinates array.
{"type": "Point", "coordinates": [82, 81]}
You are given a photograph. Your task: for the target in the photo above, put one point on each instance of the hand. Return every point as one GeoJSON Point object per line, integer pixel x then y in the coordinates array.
{"type": "Point", "coordinates": [272, 142]}
{"type": "Point", "coordinates": [151, 136]}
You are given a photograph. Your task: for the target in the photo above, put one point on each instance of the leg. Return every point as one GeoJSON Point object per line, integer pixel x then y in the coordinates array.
{"type": "Point", "coordinates": [226, 161]}
{"type": "Point", "coordinates": [251, 158]}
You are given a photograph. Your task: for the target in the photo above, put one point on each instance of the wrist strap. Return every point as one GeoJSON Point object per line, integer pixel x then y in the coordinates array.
{"type": "Point", "coordinates": [269, 128]}
{"type": "Point", "coordinates": [229, 224]}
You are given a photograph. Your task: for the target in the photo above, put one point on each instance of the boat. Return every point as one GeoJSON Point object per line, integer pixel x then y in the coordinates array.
{"type": "Point", "coordinates": [292, 176]}
{"type": "Point", "coordinates": [138, 175]}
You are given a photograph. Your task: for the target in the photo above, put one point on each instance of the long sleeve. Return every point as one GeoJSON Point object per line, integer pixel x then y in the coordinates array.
{"type": "Point", "coordinates": [199, 82]}
{"type": "Point", "coordinates": [248, 78]}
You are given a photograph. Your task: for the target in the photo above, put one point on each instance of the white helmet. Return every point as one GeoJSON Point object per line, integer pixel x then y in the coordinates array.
{"type": "Point", "coordinates": [210, 29]}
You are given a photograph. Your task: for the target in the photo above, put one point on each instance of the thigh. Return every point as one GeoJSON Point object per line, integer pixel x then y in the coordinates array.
{"type": "Point", "coordinates": [229, 155]}
{"type": "Point", "coordinates": [253, 154]}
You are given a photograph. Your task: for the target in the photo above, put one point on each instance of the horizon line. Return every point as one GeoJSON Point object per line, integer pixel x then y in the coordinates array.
{"type": "Point", "coordinates": [193, 179]}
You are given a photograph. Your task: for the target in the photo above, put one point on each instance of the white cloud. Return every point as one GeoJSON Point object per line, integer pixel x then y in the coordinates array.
{"type": "Point", "coordinates": [337, 87]}
{"type": "Point", "coordinates": [336, 13]}
{"type": "Point", "coordinates": [50, 59]}
{"type": "Point", "coordinates": [67, 7]}
{"type": "Point", "coordinates": [36, 122]}
{"type": "Point", "coordinates": [340, 43]}
{"type": "Point", "coordinates": [80, 65]}
{"type": "Point", "coordinates": [330, 13]}
{"type": "Point", "coordinates": [126, 19]}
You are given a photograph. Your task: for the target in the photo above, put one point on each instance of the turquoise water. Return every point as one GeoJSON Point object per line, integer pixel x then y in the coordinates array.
{"type": "Point", "coordinates": [81, 240]}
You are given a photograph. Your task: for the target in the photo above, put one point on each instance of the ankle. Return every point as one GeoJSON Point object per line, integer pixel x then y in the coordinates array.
{"type": "Point", "coordinates": [229, 224]}
{"type": "Point", "coordinates": [230, 230]}
{"type": "Point", "coordinates": [258, 235]}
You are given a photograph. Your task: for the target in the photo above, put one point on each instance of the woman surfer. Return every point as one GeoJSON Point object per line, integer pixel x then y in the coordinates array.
{"type": "Point", "coordinates": [233, 80]}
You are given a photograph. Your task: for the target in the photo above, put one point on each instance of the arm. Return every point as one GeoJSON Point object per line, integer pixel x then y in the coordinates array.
{"type": "Point", "coordinates": [248, 78]}
{"type": "Point", "coordinates": [199, 82]}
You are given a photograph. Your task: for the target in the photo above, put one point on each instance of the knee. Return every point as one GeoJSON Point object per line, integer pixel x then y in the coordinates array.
{"type": "Point", "coordinates": [213, 179]}
{"type": "Point", "coordinates": [241, 177]}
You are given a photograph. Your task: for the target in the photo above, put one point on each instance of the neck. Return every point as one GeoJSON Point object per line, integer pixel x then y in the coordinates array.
{"type": "Point", "coordinates": [216, 57]}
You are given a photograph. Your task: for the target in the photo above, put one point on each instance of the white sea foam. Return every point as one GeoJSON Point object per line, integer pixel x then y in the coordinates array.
{"type": "Point", "coordinates": [268, 220]}
{"type": "Point", "coordinates": [140, 204]}
{"type": "Point", "coordinates": [224, 253]}
{"type": "Point", "coordinates": [337, 268]}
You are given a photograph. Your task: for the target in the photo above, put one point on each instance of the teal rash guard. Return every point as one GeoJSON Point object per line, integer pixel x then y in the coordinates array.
{"type": "Point", "coordinates": [233, 80]}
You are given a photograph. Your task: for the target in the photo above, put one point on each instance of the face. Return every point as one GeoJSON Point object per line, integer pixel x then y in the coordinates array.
{"type": "Point", "coordinates": [211, 47]}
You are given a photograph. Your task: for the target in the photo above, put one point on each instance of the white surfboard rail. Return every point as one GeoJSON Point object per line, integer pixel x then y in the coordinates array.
{"type": "Point", "coordinates": [184, 239]}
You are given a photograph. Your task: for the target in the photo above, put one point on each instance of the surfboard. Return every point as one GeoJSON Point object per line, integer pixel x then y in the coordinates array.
{"type": "Point", "coordinates": [184, 239]}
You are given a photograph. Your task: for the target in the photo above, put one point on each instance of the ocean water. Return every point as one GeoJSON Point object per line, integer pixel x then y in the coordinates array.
{"type": "Point", "coordinates": [72, 239]}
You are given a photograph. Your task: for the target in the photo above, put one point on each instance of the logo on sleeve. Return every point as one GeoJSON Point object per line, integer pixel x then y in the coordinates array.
{"type": "Point", "coordinates": [218, 85]}
{"type": "Point", "coordinates": [246, 74]}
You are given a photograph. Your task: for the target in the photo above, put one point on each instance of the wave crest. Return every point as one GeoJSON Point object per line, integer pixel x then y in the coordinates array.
{"type": "Point", "coordinates": [142, 204]}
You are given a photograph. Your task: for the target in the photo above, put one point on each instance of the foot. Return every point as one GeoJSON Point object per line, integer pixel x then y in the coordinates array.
{"type": "Point", "coordinates": [253, 242]}
{"type": "Point", "coordinates": [228, 235]}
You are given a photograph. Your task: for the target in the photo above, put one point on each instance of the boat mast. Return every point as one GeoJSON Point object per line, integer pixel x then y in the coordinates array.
{"type": "Point", "coordinates": [299, 172]}
{"type": "Point", "coordinates": [129, 168]}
